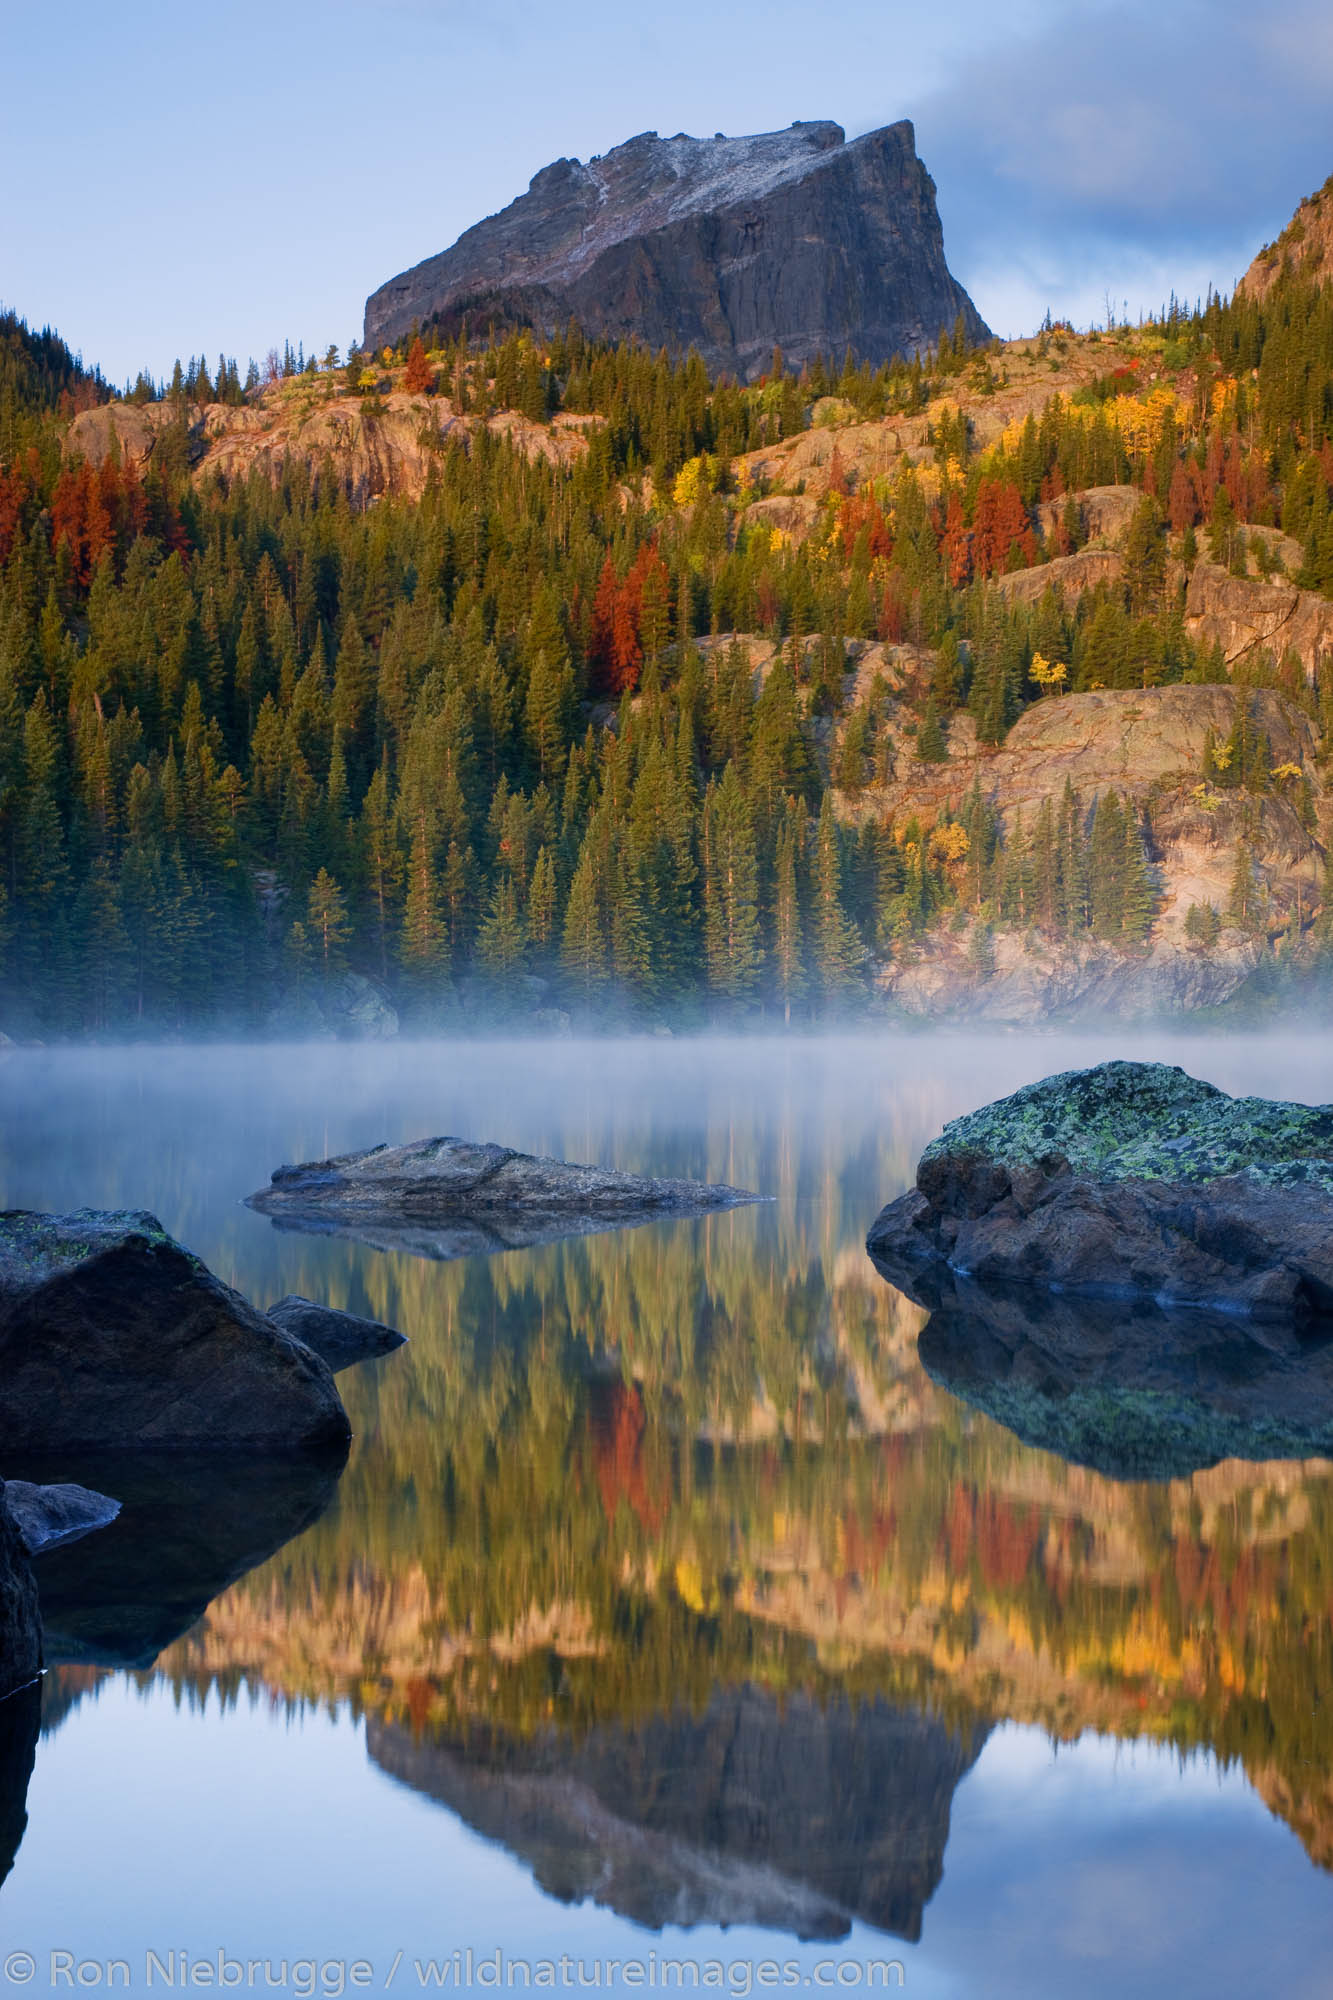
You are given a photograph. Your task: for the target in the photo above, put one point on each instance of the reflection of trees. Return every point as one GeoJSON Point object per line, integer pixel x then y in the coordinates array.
{"type": "Point", "coordinates": [611, 1475]}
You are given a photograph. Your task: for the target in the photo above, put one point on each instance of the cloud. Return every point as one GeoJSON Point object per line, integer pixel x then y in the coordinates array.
{"type": "Point", "coordinates": [1146, 146]}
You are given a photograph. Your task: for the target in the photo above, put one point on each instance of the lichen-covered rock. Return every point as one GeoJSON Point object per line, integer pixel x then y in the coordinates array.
{"type": "Point", "coordinates": [1128, 1180]}
{"type": "Point", "coordinates": [112, 1335]}
{"type": "Point", "coordinates": [1145, 1121]}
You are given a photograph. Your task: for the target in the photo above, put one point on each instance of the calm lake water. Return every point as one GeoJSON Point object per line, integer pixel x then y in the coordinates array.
{"type": "Point", "coordinates": [666, 1610]}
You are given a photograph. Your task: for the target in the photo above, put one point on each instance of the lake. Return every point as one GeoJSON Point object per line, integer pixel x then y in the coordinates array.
{"type": "Point", "coordinates": [669, 1623]}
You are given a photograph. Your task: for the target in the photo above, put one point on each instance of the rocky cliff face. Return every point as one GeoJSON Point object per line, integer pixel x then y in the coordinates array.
{"type": "Point", "coordinates": [729, 245]}
{"type": "Point", "coordinates": [1305, 246]}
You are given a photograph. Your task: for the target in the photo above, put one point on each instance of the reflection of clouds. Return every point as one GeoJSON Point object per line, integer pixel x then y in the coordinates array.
{"type": "Point", "coordinates": [1109, 1868]}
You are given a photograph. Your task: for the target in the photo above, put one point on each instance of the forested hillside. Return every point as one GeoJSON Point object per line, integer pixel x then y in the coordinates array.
{"type": "Point", "coordinates": [643, 697]}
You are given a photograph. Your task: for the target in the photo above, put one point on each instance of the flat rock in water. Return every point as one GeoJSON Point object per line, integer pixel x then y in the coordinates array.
{"type": "Point", "coordinates": [46, 1516]}
{"type": "Point", "coordinates": [1131, 1181]}
{"type": "Point", "coordinates": [445, 1180]}
{"type": "Point", "coordinates": [1130, 1390]}
{"type": "Point", "coordinates": [339, 1338]}
{"type": "Point", "coordinates": [113, 1336]}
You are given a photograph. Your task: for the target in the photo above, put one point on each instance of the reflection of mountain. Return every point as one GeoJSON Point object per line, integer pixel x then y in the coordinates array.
{"type": "Point", "coordinates": [791, 1816]}
{"type": "Point", "coordinates": [1133, 1391]}
{"type": "Point", "coordinates": [774, 1494]}
{"type": "Point", "coordinates": [188, 1527]}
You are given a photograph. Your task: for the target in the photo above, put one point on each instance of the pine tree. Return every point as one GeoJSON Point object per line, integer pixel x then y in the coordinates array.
{"type": "Point", "coordinates": [1106, 867]}
{"type": "Point", "coordinates": [931, 747]}
{"type": "Point", "coordinates": [788, 931]}
{"type": "Point", "coordinates": [838, 951]}
{"type": "Point", "coordinates": [583, 947]}
{"type": "Point", "coordinates": [425, 940]}
{"type": "Point", "coordinates": [730, 889]}
{"type": "Point", "coordinates": [502, 940]}
{"type": "Point", "coordinates": [326, 921]}
{"type": "Point", "coordinates": [542, 905]}
{"type": "Point", "coordinates": [1137, 899]}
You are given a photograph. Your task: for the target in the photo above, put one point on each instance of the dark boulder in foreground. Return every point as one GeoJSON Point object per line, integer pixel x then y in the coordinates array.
{"type": "Point", "coordinates": [20, 1623]}
{"type": "Point", "coordinates": [471, 1197]}
{"type": "Point", "coordinates": [1130, 1390]}
{"type": "Point", "coordinates": [339, 1338]}
{"type": "Point", "coordinates": [1132, 1181]}
{"type": "Point", "coordinates": [20, 1726]}
{"type": "Point", "coordinates": [47, 1516]}
{"type": "Point", "coordinates": [113, 1336]}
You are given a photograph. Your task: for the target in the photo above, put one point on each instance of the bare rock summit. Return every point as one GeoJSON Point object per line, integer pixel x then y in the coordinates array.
{"type": "Point", "coordinates": [730, 245]}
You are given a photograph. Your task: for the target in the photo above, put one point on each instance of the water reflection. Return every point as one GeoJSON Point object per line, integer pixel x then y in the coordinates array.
{"type": "Point", "coordinates": [660, 1558]}
{"type": "Point", "coordinates": [796, 1816]}
{"type": "Point", "coordinates": [187, 1529]}
{"type": "Point", "coordinates": [1135, 1392]}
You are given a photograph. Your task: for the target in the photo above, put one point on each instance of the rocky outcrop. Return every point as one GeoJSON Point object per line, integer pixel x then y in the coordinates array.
{"type": "Point", "coordinates": [47, 1516]}
{"type": "Point", "coordinates": [1130, 1390]}
{"type": "Point", "coordinates": [386, 444]}
{"type": "Point", "coordinates": [1304, 248]}
{"type": "Point", "coordinates": [459, 1198]}
{"type": "Point", "coordinates": [339, 1338]}
{"type": "Point", "coordinates": [1247, 617]}
{"type": "Point", "coordinates": [20, 1625]}
{"type": "Point", "coordinates": [1026, 980]}
{"type": "Point", "coordinates": [358, 1009]}
{"type": "Point", "coordinates": [731, 246]}
{"type": "Point", "coordinates": [789, 1815]}
{"type": "Point", "coordinates": [1131, 1180]}
{"type": "Point", "coordinates": [113, 1336]}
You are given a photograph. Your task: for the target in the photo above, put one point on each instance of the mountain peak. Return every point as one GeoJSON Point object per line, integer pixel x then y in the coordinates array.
{"type": "Point", "coordinates": [731, 245]}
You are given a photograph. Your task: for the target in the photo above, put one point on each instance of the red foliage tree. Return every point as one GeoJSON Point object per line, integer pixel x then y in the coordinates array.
{"type": "Point", "coordinates": [956, 543]}
{"type": "Point", "coordinates": [419, 376]}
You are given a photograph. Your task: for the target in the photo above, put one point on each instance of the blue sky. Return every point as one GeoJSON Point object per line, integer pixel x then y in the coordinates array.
{"type": "Point", "coordinates": [232, 176]}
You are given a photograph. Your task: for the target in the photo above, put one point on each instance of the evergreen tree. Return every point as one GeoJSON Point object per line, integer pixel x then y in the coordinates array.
{"type": "Point", "coordinates": [730, 888]}
{"type": "Point", "coordinates": [326, 922]}
{"type": "Point", "coordinates": [839, 954]}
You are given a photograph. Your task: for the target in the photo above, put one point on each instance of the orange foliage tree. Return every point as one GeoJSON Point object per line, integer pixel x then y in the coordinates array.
{"type": "Point", "coordinates": [420, 376]}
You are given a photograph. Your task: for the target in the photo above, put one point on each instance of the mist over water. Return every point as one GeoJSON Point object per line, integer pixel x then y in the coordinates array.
{"type": "Point", "coordinates": [665, 1602]}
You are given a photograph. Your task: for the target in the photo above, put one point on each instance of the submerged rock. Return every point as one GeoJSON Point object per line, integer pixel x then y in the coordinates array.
{"type": "Point", "coordinates": [338, 1338]}
{"type": "Point", "coordinates": [1130, 1180]}
{"type": "Point", "coordinates": [46, 1516]}
{"type": "Point", "coordinates": [500, 1198]}
{"type": "Point", "coordinates": [20, 1624]}
{"type": "Point", "coordinates": [1130, 1390]}
{"type": "Point", "coordinates": [112, 1336]}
